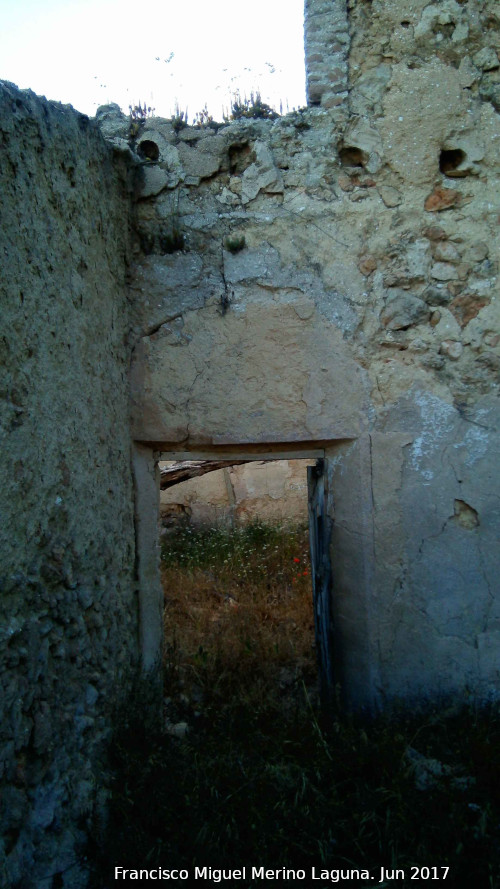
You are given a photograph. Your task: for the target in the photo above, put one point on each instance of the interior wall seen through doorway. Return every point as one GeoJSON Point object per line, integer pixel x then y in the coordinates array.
{"type": "Point", "coordinates": [351, 552]}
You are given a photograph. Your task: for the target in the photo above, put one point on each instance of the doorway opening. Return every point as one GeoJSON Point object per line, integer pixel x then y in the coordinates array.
{"type": "Point", "coordinates": [247, 583]}
{"type": "Point", "coordinates": [343, 588]}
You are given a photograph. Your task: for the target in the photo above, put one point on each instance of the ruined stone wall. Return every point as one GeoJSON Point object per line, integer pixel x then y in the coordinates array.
{"type": "Point", "coordinates": [68, 625]}
{"type": "Point", "coordinates": [425, 131]}
{"type": "Point", "coordinates": [326, 44]}
{"type": "Point", "coordinates": [331, 278]}
{"type": "Point", "coordinates": [333, 275]}
{"type": "Point", "coordinates": [275, 491]}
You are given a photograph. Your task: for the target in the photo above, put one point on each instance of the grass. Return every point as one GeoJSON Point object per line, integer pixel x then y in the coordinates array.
{"type": "Point", "coordinates": [258, 779]}
{"type": "Point", "coordinates": [238, 615]}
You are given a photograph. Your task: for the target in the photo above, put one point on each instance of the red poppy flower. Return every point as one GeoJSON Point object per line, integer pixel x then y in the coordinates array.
{"type": "Point", "coordinates": [296, 560]}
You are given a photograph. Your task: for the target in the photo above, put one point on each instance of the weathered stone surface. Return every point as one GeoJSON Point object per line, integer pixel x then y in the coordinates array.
{"type": "Point", "coordinates": [442, 199]}
{"type": "Point", "coordinates": [442, 550]}
{"type": "Point", "coordinates": [390, 195]}
{"type": "Point", "coordinates": [445, 251]}
{"type": "Point", "coordinates": [467, 307]}
{"type": "Point", "coordinates": [402, 310]}
{"type": "Point", "coordinates": [197, 163]}
{"type": "Point", "coordinates": [154, 180]}
{"type": "Point", "coordinates": [353, 317]}
{"type": "Point", "coordinates": [261, 176]}
{"type": "Point", "coordinates": [326, 25]}
{"type": "Point", "coordinates": [64, 431]}
{"type": "Point", "coordinates": [263, 349]}
{"type": "Point", "coordinates": [452, 348]}
{"type": "Point", "coordinates": [443, 271]}
{"type": "Point", "coordinates": [486, 59]}
{"type": "Point", "coordinates": [345, 238]}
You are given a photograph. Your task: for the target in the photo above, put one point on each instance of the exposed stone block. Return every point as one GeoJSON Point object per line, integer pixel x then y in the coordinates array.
{"type": "Point", "coordinates": [442, 199]}
{"type": "Point", "coordinates": [390, 195]}
{"type": "Point", "coordinates": [402, 310]}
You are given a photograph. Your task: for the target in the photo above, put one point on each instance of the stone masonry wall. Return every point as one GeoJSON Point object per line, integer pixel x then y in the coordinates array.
{"type": "Point", "coordinates": [68, 625]}
{"type": "Point", "coordinates": [333, 275]}
{"type": "Point", "coordinates": [326, 44]}
{"type": "Point", "coordinates": [329, 277]}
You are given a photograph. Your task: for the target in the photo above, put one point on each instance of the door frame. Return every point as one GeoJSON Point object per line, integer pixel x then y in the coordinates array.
{"type": "Point", "coordinates": [321, 514]}
{"type": "Point", "coordinates": [347, 470]}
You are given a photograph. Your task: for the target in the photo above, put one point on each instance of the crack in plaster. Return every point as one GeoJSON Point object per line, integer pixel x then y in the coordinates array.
{"type": "Point", "coordinates": [425, 540]}
{"type": "Point", "coordinates": [154, 328]}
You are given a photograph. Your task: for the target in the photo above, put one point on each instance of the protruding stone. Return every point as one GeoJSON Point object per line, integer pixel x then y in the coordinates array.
{"type": "Point", "coordinates": [492, 339]}
{"type": "Point", "coordinates": [478, 252]}
{"type": "Point", "coordinates": [403, 310]}
{"type": "Point", "coordinates": [435, 233]}
{"type": "Point", "coordinates": [443, 271]}
{"type": "Point", "coordinates": [452, 349]}
{"type": "Point", "coordinates": [390, 195]}
{"type": "Point", "coordinates": [177, 729]}
{"type": "Point", "coordinates": [437, 296]}
{"type": "Point", "coordinates": [113, 123]}
{"type": "Point", "coordinates": [442, 199]}
{"type": "Point", "coordinates": [196, 163]}
{"type": "Point", "coordinates": [345, 182]}
{"type": "Point", "coordinates": [466, 307]}
{"type": "Point", "coordinates": [467, 73]}
{"type": "Point", "coordinates": [263, 175]}
{"type": "Point", "coordinates": [228, 197]}
{"type": "Point", "coordinates": [445, 251]}
{"type": "Point", "coordinates": [486, 59]}
{"type": "Point", "coordinates": [154, 181]}
{"type": "Point", "coordinates": [367, 265]}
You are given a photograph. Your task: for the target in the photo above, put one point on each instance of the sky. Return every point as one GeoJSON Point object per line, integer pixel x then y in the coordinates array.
{"type": "Point", "coordinates": [165, 53]}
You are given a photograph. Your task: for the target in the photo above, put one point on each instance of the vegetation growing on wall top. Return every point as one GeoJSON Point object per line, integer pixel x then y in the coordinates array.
{"type": "Point", "coordinates": [251, 108]}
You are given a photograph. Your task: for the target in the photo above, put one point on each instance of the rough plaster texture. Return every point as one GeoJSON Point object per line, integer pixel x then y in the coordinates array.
{"type": "Point", "coordinates": [68, 626]}
{"type": "Point", "coordinates": [147, 489]}
{"type": "Point", "coordinates": [334, 276]}
{"type": "Point", "coordinates": [329, 278]}
{"type": "Point", "coordinates": [272, 491]}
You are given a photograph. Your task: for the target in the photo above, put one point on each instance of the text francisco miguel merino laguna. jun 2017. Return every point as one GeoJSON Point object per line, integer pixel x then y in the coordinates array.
{"type": "Point", "coordinates": [216, 875]}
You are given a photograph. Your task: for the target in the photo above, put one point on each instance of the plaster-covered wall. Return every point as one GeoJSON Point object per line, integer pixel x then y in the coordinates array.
{"type": "Point", "coordinates": [333, 275]}
{"type": "Point", "coordinates": [68, 622]}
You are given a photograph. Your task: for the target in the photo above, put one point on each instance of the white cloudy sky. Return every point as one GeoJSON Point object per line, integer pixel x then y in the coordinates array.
{"type": "Point", "coordinates": [162, 52]}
